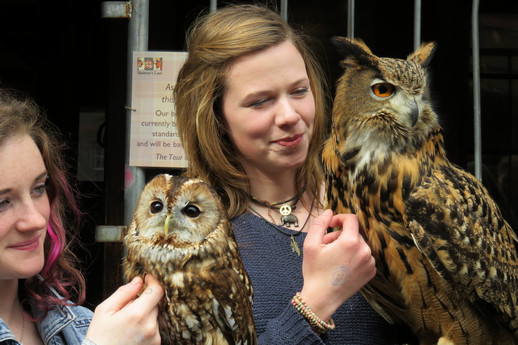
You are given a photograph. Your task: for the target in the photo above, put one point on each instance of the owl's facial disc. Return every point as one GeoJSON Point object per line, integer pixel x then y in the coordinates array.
{"type": "Point", "coordinates": [405, 108]}
{"type": "Point", "coordinates": [181, 223]}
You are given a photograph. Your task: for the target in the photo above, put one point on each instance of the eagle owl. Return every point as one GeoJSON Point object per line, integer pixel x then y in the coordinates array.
{"type": "Point", "coordinates": [181, 235]}
{"type": "Point", "coordinates": [446, 259]}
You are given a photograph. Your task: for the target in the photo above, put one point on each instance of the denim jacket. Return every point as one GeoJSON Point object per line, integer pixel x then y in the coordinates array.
{"type": "Point", "coordinates": [63, 325]}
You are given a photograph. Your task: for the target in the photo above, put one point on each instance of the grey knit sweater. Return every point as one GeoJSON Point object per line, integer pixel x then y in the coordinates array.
{"type": "Point", "coordinates": [276, 274]}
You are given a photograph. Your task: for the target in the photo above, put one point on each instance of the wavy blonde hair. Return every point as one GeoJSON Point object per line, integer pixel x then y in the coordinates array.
{"type": "Point", "coordinates": [214, 41]}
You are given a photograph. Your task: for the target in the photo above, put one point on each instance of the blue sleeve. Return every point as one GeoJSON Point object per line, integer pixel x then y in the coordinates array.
{"type": "Point", "coordinates": [289, 328]}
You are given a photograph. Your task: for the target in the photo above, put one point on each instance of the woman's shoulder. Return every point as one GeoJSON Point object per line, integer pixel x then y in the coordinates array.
{"type": "Point", "coordinates": [81, 312]}
{"type": "Point", "coordinates": [67, 314]}
{"type": "Point", "coordinates": [68, 322]}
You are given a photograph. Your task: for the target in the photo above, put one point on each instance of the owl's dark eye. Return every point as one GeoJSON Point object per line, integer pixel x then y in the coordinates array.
{"type": "Point", "coordinates": [191, 211]}
{"type": "Point", "coordinates": [383, 89]}
{"type": "Point", "coordinates": [156, 206]}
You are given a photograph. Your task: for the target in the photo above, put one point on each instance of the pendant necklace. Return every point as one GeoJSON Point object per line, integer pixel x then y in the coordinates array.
{"type": "Point", "coordinates": [294, 246]}
{"type": "Point", "coordinates": [285, 209]}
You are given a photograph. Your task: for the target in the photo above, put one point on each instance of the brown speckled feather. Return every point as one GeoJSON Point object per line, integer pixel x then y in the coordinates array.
{"type": "Point", "coordinates": [208, 294]}
{"type": "Point", "coordinates": [446, 259]}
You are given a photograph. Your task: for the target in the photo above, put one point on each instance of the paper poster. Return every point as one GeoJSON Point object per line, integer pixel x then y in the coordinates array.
{"type": "Point", "coordinates": [154, 140]}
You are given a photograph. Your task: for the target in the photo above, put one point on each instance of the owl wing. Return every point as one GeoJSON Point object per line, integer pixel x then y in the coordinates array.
{"type": "Point", "coordinates": [233, 310]}
{"type": "Point", "coordinates": [459, 228]}
{"type": "Point", "coordinates": [233, 316]}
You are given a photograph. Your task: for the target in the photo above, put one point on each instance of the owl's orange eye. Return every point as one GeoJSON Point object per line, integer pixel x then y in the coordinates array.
{"type": "Point", "coordinates": [156, 207]}
{"type": "Point", "coordinates": [191, 211]}
{"type": "Point", "coordinates": [383, 89]}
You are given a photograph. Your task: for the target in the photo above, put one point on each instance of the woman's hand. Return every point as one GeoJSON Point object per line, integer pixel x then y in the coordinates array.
{"type": "Point", "coordinates": [122, 319]}
{"type": "Point", "coordinates": [336, 265]}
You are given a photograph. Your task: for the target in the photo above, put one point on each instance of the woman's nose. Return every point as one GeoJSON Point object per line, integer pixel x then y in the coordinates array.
{"type": "Point", "coordinates": [286, 113]}
{"type": "Point", "coordinates": [33, 215]}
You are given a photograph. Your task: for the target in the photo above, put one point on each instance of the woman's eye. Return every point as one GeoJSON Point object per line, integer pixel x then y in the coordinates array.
{"type": "Point", "coordinates": [259, 103]}
{"type": "Point", "coordinates": [4, 203]}
{"type": "Point", "coordinates": [301, 91]}
{"type": "Point", "coordinates": [156, 206]}
{"type": "Point", "coordinates": [191, 211]}
{"type": "Point", "coordinates": [383, 89]}
{"type": "Point", "coordinates": [39, 190]}
{"type": "Point", "coordinates": [41, 187]}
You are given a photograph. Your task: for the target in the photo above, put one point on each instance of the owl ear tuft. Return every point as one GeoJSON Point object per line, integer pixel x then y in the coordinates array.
{"type": "Point", "coordinates": [423, 55]}
{"type": "Point", "coordinates": [355, 52]}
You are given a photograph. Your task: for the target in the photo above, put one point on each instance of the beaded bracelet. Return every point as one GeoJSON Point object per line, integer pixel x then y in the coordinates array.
{"type": "Point", "coordinates": [318, 325]}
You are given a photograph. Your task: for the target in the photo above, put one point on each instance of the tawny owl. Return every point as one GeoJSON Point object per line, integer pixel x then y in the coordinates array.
{"type": "Point", "coordinates": [181, 235]}
{"type": "Point", "coordinates": [446, 259]}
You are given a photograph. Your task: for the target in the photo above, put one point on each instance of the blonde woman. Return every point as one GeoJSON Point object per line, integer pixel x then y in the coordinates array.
{"type": "Point", "coordinates": [251, 112]}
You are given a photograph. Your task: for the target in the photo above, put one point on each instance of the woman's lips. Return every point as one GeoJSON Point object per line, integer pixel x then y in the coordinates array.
{"type": "Point", "coordinates": [290, 141]}
{"type": "Point", "coordinates": [26, 245]}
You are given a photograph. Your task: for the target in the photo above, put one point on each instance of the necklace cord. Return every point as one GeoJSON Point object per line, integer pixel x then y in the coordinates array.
{"type": "Point", "coordinates": [23, 329]}
{"type": "Point", "coordinates": [294, 246]}
{"type": "Point", "coordinates": [276, 205]}
{"type": "Point", "coordinates": [279, 228]}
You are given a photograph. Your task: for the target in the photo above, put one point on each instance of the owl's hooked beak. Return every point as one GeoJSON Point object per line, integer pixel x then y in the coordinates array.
{"type": "Point", "coordinates": [166, 225]}
{"type": "Point", "coordinates": [414, 113]}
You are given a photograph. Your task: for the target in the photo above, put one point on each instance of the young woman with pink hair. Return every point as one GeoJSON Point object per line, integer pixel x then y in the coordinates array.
{"type": "Point", "coordinates": [40, 286]}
